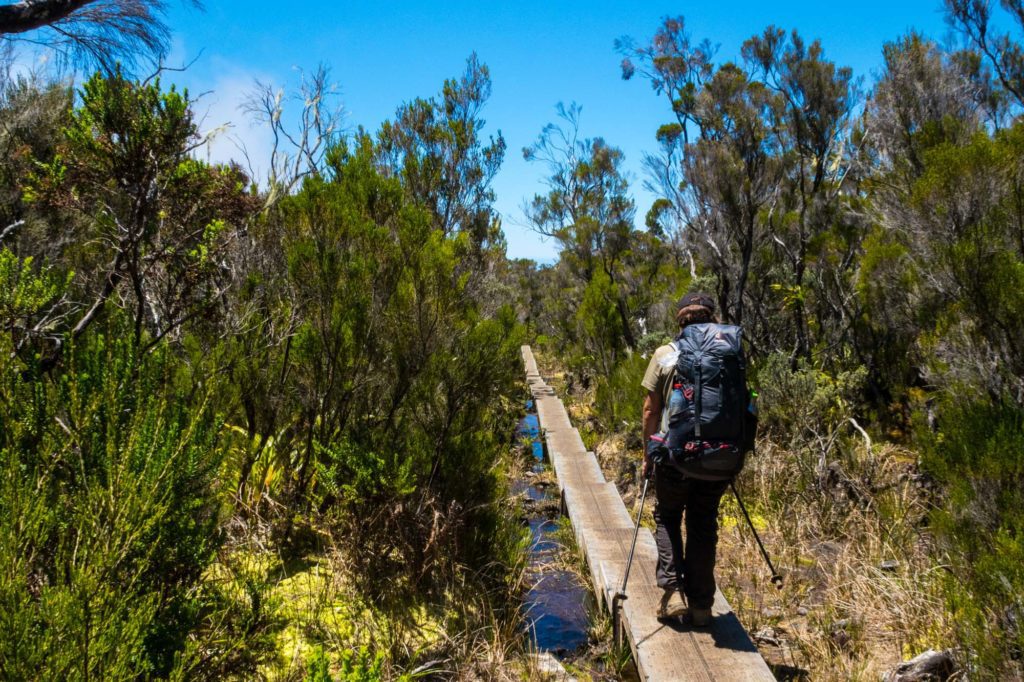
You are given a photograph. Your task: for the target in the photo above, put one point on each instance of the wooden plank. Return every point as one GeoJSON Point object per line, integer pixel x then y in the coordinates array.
{"type": "Point", "coordinates": [604, 530]}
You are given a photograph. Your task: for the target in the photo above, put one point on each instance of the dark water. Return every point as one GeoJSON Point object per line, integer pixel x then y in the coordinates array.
{"type": "Point", "coordinates": [556, 603]}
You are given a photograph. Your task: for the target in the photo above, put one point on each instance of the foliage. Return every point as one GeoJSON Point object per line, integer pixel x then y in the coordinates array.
{"type": "Point", "coordinates": [435, 145]}
{"type": "Point", "coordinates": [25, 292]}
{"type": "Point", "coordinates": [751, 173]}
{"type": "Point", "coordinates": [343, 376]}
{"type": "Point", "coordinates": [101, 34]}
{"type": "Point", "coordinates": [614, 273]}
{"type": "Point", "coordinates": [806, 403]}
{"type": "Point", "coordinates": [977, 457]}
{"type": "Point", "coordinates": [109, 514]}
{"type": "Point", "coordinates": [619, 397]}
{"type": "Point", "coordinates": [149, 223]}
{"type": "Point", "coordinates": [397, 373]}
{"type": "Point", "coordinates": [32, 114]}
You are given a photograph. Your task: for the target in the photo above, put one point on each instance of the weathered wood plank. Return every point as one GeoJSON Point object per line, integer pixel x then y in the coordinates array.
{"type": "Point", "coordinates": [604, 529]}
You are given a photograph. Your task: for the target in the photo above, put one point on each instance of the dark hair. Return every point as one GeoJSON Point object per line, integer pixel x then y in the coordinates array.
{"type": "Point", "coordinates": [695, 308]}
{"type": "Point", "coordinates": [694, 314]}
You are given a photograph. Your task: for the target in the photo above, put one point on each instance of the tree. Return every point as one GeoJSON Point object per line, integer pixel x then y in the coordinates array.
{"type": "Point", "coordinates": [589, 212]}
{"type": "Point", "coordinates": [298, 152]}
{"type": "Point", "coordinates": [32, 115]}
{"type": "Point", "coordinates": [366, 352]}
{"type": "Point", "coordinates": [437, 147]}
{"type": "Point", "coordinates": [921, 102]}
{"type": "Point", "coordinates": [719, 165]}
{"type": "Point", "coordinates": [812, 126]}
{"type": "Point", "coordinates": [751, 173]}
{"type": "Point", "coordinates": [392, 371]}
{"type": "Point", "coordinates": [732, 174]}
{"type": "Point", "coordinates": [1004, 55]}
{"type": "Point", "coordinates": [677, 70]}
{"type": "Point", "coordinates": [151, 223]}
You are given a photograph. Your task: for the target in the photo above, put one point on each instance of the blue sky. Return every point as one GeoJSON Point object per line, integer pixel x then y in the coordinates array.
{"type": "Point", "coordinates": [540, 53]}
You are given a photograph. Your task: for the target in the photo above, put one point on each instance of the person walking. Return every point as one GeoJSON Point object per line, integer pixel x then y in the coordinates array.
{"type": "Point", "coordinates": [683, 569]}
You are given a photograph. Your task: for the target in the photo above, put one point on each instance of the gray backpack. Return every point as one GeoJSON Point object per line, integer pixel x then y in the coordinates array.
{"type": "Point", "coordinates": [711, 422]}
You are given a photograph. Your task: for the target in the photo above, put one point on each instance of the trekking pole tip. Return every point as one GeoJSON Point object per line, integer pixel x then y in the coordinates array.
{"type": "Point", "coordinates": [777, 581]}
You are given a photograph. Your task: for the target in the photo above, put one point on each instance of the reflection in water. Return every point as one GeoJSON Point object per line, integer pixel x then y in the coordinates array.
{"type": "Point", "coordinates": [556, 603]}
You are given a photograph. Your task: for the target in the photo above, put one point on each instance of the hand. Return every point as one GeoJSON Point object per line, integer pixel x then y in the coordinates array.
{"type": "Point", "coordinates": [648, 468]}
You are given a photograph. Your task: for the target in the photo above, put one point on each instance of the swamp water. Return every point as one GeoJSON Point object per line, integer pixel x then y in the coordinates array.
{"type": "Point", "coordinates": [557, 605]}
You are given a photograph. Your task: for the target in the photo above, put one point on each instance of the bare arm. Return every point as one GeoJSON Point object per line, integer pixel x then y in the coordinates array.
{"type": "Point", "coordinates": [651, 420]}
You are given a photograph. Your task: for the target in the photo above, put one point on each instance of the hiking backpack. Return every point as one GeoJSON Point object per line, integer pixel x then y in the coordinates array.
{"type": "Point", "coordinates": [711, 419]}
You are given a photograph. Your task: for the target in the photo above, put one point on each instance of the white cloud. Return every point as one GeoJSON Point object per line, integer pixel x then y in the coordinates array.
{"type": "Point", "coordinates": [232, 135]}
{"type": "Point", "coordinates": [23, 61]}
{"type": "Point", "coordinates": [218, 87]}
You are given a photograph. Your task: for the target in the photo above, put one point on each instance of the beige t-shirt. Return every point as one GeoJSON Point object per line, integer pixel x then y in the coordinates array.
{"type": "Point", "coordinates": [658, 377]}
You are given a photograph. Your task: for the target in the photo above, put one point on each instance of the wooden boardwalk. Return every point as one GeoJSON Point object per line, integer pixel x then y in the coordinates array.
{"type": "Point", "coordinates": [604, 530]}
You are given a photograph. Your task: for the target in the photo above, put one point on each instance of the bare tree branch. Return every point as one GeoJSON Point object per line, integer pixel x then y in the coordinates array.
{"type": "Point", "coordinates": [7, 231]}
{"type": "Point", "coordinates": [91, 32]}
{"type": "Point", "coordinates": [299, 152]}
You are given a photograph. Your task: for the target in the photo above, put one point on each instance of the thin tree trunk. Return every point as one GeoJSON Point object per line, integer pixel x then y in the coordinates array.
{"type": "Point", "coordinates": [29, 15]}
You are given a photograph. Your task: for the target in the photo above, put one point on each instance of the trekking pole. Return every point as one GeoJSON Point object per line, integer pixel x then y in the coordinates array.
{"type": "Point", "coordinates": [621, 594]}
{"type": "Point", "coordinates": [636, 532]}
{"type": "Point", "coordinates": [776, 578]}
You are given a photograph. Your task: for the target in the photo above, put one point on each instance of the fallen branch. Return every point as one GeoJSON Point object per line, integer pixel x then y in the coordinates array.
{"type": "Point", "coordinates": [867, 438]}
{"type": "Point", "coordinates": [10, 229]}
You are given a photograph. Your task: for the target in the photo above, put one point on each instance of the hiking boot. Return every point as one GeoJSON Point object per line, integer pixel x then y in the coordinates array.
{"type": "Point", "coordinates": [672, 604]}
{"type": "Point", "coordinates": [698, 618]}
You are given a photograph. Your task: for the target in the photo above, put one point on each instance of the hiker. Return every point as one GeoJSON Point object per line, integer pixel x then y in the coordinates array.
{"type": "Point", "coordinates": [688, 570]}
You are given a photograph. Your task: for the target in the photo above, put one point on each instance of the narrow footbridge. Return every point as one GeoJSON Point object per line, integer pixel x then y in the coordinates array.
{"type": "Point", "coordinates": [604, 531]}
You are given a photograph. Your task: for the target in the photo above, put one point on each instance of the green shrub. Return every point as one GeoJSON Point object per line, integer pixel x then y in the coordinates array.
{"type": "Point", "coordinates": [796, 405]}
{"type": "Point", "coordinates": [978, 457]}
{"type": "Point", "coordinates": [108, 514]}
{"type": "Point", "coordinates": [402, 381]}
{"type": "Point", "coordinates": [619, 396]}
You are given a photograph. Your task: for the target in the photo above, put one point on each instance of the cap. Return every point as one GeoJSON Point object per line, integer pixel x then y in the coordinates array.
{"type": "Point", "coordinates": [697, 298]}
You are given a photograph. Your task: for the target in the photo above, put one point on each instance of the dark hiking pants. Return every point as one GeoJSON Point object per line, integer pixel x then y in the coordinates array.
{"type": "Point", "coordinates": [691, 565]}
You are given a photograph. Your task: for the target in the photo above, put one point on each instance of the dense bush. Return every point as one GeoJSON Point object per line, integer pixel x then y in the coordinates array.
{"type": "Point", "coordinates": [182, 371]}
{"type": "Point", "coordinates": [108, 513]}
{"type": "Point", "coordinates": [618, 397]}
{"type": "Point", "coordinates": [399, 382]}
{"type": "Point", "coordinates": [978, 456]}
{"type": "Point", "coordinates": [806, 404]}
